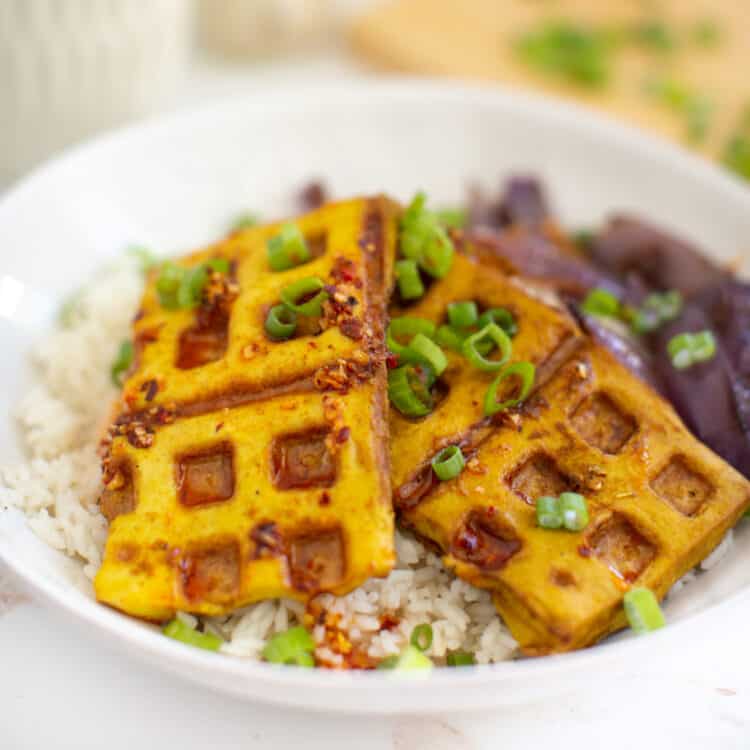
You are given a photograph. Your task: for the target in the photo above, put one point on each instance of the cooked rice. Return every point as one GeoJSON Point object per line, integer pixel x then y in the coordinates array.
{"type": "Point", "coordinates": [58, 487]}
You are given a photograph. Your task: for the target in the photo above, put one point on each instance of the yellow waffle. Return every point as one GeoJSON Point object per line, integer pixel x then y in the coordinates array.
{"type": "Point", "coordinates": [261, 469]}
{"type": "Point", "coordinates": [659, 501]}
{"type": "Point", "coordinates": [546, 337]}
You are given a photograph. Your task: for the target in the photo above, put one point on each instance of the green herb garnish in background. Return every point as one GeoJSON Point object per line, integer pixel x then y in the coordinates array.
{"type": "Point", "coordinates": [706, 33]}
{"type": "Point", "coordinates": [688, 349]}
{"type": "Point", "coordinates": [736, 156]}
{"type": "Point", "coordinates": [570, 51]}
{"type": "Point", "coordinates": [694, 107]}
{"type": "Point", "coordinates": [424, 239]}
{"type": "Point", "coordinates": [654, 35]}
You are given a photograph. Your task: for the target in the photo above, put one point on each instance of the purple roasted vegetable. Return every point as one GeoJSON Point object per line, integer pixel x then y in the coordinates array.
{"type": "Point", "coordinates": [711, 397]}
{"type": "Point", "coordinates": [533, 255]}
{"type": "Point", "coordinates": [522, 202]}
{"type": "Point", "coordinates": [626, 347]}
{"type": "Point", "coordinates": [631, 247]}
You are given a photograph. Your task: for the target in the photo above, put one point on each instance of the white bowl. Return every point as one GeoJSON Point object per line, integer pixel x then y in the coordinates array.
{"type": "Point", "coordinates": [173, 183]}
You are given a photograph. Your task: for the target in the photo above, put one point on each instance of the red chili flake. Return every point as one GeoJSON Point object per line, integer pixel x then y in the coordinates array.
{"type": "Point", "coordinates": [491, 510]}
{"type": "Point", "coordinates": [343, 435]}
{"type": "Point", "coordinates": [391, 361]}
{"type": "Point", "coordinates": [219, 426]}
{"type": "Point", "coordinates": [325, 499]}
{"type": "Point", "coordinates": [389, 622]}
{"type": "Point", "coordinates": [584, 551]}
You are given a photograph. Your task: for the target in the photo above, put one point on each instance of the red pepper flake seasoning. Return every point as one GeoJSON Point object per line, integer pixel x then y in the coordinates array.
{"type": "Point", "coordinates": [219, 426]}
{"type": "Point", "coordinates": [325, 500]}
{"type": "Point", "coordinates": [389, 621]}
{"type": "Point", "coordinates": [584, 551]}
{"type": "Point", "coordinates": [391, 361]}
{"type": "Point", "coordinates": [343, 435]}
{"type": "Point", "coordinates": [345, 272]}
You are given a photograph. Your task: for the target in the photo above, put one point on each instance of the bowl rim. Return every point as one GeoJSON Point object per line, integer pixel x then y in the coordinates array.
{"type": "Point", "coordinates": [268, 683]}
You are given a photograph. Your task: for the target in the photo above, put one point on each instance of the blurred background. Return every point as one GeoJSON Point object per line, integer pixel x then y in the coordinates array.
{"type": "Point", "coordinates": [71, 68]}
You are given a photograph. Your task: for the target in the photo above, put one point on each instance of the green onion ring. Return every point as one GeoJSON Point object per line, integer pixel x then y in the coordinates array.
{"type": "Point", "coordinates": [293, 646]}
{"type": "Point", "coordinates": [523, 370]}
{"type": "Point", "coordinates": [492, 333]}
{"type": "Point", "coordinates": [421, 636]}
{"type": "Point", "coordinates": [287, 249]}
{"type": "Point", "coordinates": [460, 659]}
{"type": "Point", "coordinates": [548, 514]}
{"type": "Point", "coordinates": [423, 349]}
{"type": "Point", "coordinates": [281, 322]}
{"type": "Point", "coordinates": [449, 463]}
{"type": "Point", "coordinates": [450, 338]}
{"type": "Point", "coordinates": [502, 317]}
{"type": "Point", "coordinates": [410, 285]}
{"type": "Point", "coordinates": [463, 314]}
{"type": "Point", "coordinates": [408, 392]}
{"type": "Point", "coordinates": [573, 511]}
{"type": "Point", "coordinates": [406, 326]}
{"type": "Point", "coordinates": [302, 288]}
{"type": "Point", "coordinates": [180, 631]}
{"type": "Point", "coordinates": [643, 611]}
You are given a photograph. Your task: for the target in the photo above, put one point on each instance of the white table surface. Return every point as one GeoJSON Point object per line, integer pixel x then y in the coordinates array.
{"type": "Point", "coordinates": [59, 690]}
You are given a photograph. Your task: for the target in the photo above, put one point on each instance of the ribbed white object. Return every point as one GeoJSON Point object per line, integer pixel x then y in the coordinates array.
{"type": "Point", "coordinates": [71, 67]}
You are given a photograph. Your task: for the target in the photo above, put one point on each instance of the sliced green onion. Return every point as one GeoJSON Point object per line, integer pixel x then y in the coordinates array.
{"type": "Point", "coordinates": [244, 221]}
{"type": "Point", "coordinates": [423, 349]}
{"type": "Point", "coordinates": [500, 316]}
{"type": "Point", "coordinates": [145, 257]}
{"type": "Point", "coordinates": [463, 314]}
{"type": "Point", "coordinates": [191, 286]}
{"type": "Point", "coordinates": [122, 362]}
{"type": "Point", "coordinates": [180, 631]}
{"type": "Point", "coordinates": [287, 249]}
{"type": "Point", "coordinates": [525, 372]}
{"type": "Point", "coordinates": [220, 265]}
{"type": "Point", "coordinates": [449, 463]}
{"type": "Point", "coordinates": [601, 302]}
{"type": "Point", "coordinates": [548, 514]}
{"type": "Point", "coordinates": [412, 659]}
{"type": "Point", "coordinates": [408, 390]}
{"type": "Point", "coordinates": [687, 349]}
{"type": "Point", "coordinates": [406, 326]}
{"type": "Point", "coordinates": [574, 511]}
{"type": "Point", "coordinates": [281, 322]}
{"type": "Point", "coordinates": [293, 646]}
{"type": "Point", "coordinates": [389, 662]}
{"type": "Point", "coordinates": [424, 240]}
{"type": "Point", "coordinates": [643, 611]}
{"type": "Point", "coordinates": [410, 285]}
{"type": "Point", "coordinates": [450, 338]}
{"type": "Point", "coordinates": [657, 309]}
{"type": "Point", "coordinates": [452, 218]}
{"type": "Point", "coordinates": [292, 294]}
{"type": "Point", "coordinates": [421, 636]}
{"type": "Point", "coordinates": [460, 659]}
{"type": "Point", "coordinates": [168, 283]}
{"type": "Point", "coordinates": [495, 334]}
{"type": "Point", "coordinates": [437, 257]}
